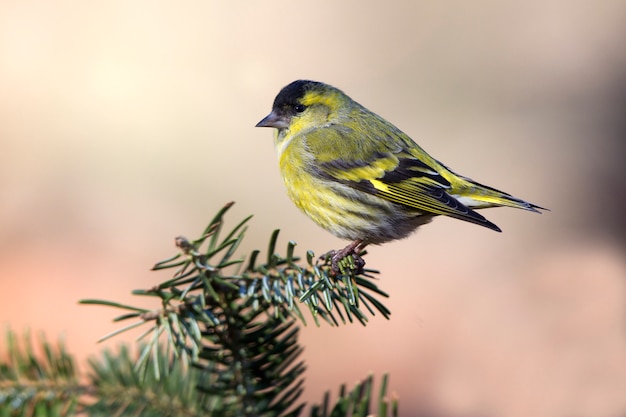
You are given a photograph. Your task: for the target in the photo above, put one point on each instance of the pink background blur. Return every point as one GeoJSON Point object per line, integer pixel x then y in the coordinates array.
{"type": "Point", "coordinates": [124, 124]}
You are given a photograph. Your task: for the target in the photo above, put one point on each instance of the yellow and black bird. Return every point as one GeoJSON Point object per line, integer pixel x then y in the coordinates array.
{"type": "Point", "coordinates": [360, 177]}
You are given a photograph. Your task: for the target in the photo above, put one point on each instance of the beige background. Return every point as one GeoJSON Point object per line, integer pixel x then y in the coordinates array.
{"type": "Point", "coordinates": [124, 124]}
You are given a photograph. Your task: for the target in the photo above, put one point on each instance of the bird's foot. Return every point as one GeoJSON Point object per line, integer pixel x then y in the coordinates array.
{"type": "Point", "coordinates": [346, 258]}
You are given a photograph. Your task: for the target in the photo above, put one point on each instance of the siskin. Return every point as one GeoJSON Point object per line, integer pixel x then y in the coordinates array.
{"type": "Point", "coordinates": [360, 177]}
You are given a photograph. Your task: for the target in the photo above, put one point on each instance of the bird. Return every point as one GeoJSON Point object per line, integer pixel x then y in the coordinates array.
{"type": "Point", "coordinates": [360, 177]}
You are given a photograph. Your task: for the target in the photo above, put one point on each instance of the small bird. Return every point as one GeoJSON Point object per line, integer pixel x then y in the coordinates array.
{"type": "Point", "coordinates": [360, 177]}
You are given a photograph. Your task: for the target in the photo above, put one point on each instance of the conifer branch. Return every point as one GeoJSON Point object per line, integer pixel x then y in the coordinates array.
{"type": "Point", "coordinates": [118, 388]}
{"type": "Point", "coordinates": [223, 341]}
{"type": "Point", "coordinates": [37, 380]}
{"type": "Point", "coordinates": [357, 402]}
{"type": "Point", "coordinates": [209, 278]}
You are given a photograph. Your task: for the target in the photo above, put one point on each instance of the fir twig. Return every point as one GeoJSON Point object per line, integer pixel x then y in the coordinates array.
{"type": "Point", "coordinates": [233, 319]}
{"type": "Point", "coordinates": [203, 276]}
{"type": "Point", "coordinates": [37, 380]}
{"type": "Point", "coordinates": [357, 402]}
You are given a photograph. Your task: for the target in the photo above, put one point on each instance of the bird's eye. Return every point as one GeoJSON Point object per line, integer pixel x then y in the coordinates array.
{"type": "Point", "coordinates": [299, 108]}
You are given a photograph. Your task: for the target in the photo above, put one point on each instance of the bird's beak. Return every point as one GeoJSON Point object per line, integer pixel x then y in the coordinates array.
{"type": "Point", "coordinates": [274, 120]}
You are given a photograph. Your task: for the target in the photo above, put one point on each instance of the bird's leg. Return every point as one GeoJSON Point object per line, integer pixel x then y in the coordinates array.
{"type": "Point", "coordinates": [353, 249]}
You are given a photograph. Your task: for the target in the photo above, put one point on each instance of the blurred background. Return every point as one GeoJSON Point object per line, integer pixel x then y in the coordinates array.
{"type": "Point", "coordinates": [124, 124]}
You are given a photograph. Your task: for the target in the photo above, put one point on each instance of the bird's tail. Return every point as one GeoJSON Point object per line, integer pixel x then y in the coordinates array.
{"type": "Point", "coordinates": [476, 196]}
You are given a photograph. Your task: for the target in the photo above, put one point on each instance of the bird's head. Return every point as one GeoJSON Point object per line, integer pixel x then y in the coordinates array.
{"type": "Point", "coordinates": [304, 105]}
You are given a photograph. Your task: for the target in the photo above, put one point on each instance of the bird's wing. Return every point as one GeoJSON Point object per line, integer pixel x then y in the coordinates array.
{"type": "Point", "coordinates": [389, 171]}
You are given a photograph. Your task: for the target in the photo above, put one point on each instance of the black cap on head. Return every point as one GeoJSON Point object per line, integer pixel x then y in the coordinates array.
{"type": "Point", "coordinates": [291, 94]}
